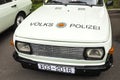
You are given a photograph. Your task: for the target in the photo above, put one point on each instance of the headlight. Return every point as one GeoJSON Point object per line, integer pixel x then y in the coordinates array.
{"type": "Point", "coordinates": [23, 47]}
{"type": "Point", "coordinates": [94, 53]}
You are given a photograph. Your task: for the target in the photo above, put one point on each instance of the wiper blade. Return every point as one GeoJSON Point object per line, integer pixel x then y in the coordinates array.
{"type": "Point", "coordinates": [81, 2]}
{"type": "Point", "coordinates": [56, 2]}
{"type": "Point", "coordinates": [77, 2]}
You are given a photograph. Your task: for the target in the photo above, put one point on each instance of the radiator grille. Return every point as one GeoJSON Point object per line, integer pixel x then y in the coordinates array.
{"type": "Point", "coordinates": [57, 51]}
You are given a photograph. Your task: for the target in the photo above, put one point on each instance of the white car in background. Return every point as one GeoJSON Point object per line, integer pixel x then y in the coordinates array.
{"type": "Point", "coordinates": [13, 12]}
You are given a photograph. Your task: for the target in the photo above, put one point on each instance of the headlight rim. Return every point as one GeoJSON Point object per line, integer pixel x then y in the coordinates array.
{"type": "Point", "coordinates": [90, 58]}
{"type": "Point", "coordinates": [23, 51]}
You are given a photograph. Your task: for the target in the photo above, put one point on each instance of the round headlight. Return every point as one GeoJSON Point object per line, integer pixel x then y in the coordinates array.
{"type": "Point", "coordinates": [95, 53]}
{"type": "Point", "coordinates": [23, 47]}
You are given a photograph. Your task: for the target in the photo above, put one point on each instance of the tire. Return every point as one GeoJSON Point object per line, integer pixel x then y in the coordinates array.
{"type": "Point", "coordinates": [19, 18]}
{"type": "Point", "coordinates": [91, 73]}
{"type": "Point", "coordinates": [29, 66]}
{"type": "Point", "coordinates": [95, 73]}
{"type": "Point", "coordinates": [109, 62]}
{"type": "Point", "coordinates": [25, 65]}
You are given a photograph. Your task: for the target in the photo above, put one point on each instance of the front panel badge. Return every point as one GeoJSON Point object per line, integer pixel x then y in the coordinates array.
{"type": "Point", "coordinates": [61, 25]}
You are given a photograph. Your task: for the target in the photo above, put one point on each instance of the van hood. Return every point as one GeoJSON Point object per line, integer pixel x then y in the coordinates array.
{"type": "Point", "coordinates": [66, 23]}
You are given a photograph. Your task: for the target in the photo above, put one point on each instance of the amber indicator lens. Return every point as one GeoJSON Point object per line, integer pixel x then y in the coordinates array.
{"type": "Point", "coordinates": [61, 25]}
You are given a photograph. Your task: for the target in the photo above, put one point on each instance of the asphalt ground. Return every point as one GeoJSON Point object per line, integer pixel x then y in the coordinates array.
{"type": "Point", "coordinates": [12, 70]}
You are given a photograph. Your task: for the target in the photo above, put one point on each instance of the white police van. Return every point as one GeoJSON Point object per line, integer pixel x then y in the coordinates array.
{"type": "Point", "coordinates": [66, 36]}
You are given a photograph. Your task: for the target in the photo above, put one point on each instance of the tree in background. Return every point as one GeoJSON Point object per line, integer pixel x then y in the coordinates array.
{"type": "Point", "coordinates": [116, 4]}
{"type": "Point", "coordinates": [36, 4]}
{"type": "Point", "coordinates": [36, 1]}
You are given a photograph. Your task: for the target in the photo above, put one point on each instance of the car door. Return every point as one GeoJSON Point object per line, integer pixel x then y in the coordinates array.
{"type": "Point", "coordinates": [8, 12]}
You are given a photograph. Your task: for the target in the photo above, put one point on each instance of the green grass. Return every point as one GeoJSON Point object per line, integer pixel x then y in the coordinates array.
{"type": "Point", "coordinates": [38, 3]}
{"type": "Point", "coordinates": [115, 5]}
{"type": "Point", "coordinates": [35, 6]}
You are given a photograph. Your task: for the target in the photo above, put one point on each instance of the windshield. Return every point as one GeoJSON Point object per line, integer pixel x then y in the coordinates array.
{"type": "Point", "coordinates": [75, 2]}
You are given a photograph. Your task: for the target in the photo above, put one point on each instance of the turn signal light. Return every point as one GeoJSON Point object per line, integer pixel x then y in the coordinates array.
{"type": "Point", "coordinates": [11, 43]}
{"type": "Point", "coordinates": [111, 51]}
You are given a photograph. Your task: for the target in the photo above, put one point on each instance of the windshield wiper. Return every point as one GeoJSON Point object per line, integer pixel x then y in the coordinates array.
{"type": "Point", "coordinates": [77, 2]}
{"type": "Point", "coordinates": [56, 2]}
{"type": "Point", "coordinates": [81, 2]}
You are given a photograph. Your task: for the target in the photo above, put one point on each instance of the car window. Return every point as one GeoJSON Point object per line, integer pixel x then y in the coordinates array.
{"type": "Point", "coordinates": [8, 1]}
{"type": "Point", "coordinates": [4, 1]}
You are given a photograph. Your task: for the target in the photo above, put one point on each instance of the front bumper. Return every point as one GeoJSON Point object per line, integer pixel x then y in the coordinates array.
{"type": "Point", "coordinates": [33, 64]}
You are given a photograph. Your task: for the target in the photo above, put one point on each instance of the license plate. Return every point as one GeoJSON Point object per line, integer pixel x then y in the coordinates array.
{"type": "Point", "coordinates": [56, 68]}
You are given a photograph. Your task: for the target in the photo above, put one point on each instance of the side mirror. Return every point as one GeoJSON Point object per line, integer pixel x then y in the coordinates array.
{"type": "Point", "coordinates": [109, 3]}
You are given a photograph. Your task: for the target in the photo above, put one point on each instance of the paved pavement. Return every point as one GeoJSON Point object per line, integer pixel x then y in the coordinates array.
{"type": "Point", "coordinates": [12, 70]}
{"type": "Point", "coordinates": [115, 20]}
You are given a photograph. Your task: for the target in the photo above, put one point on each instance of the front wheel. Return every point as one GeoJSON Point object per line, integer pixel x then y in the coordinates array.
{"type": "Point", "coordinates": [109, 62]}
{"type": "Point", "coordinates": [20, 17]}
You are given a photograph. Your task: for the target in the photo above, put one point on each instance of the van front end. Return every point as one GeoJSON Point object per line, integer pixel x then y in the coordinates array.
{"type": "Point", "coordinates": [68, 37]}
{"type": "Point", "coordinates": [65, 57]}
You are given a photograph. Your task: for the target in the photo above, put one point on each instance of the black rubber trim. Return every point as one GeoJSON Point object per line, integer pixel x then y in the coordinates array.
{"type": "Point", "coordinates": [33, 64]}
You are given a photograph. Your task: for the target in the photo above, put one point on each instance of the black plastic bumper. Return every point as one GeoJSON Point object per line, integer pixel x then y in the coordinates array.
{"type": "Point", "coordinates": [33, 64]}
